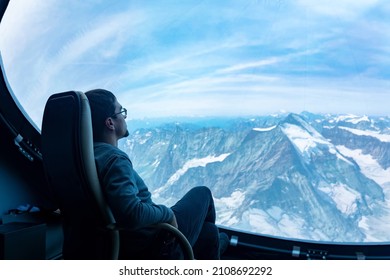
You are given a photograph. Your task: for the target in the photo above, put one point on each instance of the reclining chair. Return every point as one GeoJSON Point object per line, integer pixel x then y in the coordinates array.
{"type": "Point", "coordinates": [90, 231]}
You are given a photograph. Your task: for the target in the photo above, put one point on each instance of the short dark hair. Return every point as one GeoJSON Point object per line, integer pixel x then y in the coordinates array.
{"type": "Point", "coordinates": [102, 103]}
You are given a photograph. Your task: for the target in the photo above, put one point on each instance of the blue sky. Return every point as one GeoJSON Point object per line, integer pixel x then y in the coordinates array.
{"type": "Point", "coordinates": [195, 58]}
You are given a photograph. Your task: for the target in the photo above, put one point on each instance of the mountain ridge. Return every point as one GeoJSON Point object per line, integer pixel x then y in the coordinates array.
{"type": "Point", "coordinates": [286, 176]}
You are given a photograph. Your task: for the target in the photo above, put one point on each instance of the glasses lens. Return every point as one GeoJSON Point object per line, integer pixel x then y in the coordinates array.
{"type": "Point", "coordinates": [123, 113]}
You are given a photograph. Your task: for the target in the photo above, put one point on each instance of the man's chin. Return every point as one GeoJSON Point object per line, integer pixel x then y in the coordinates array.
{"type": "Point", "coordinates": [126, 133]}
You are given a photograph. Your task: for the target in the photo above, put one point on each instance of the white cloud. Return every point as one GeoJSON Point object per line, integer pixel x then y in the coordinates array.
{"type": "Point", "coordinates": [249, 57]}
{"type": "Point", "coordinates": [343, 9]}
{"type": "Point", "coordinates": [249, 65]}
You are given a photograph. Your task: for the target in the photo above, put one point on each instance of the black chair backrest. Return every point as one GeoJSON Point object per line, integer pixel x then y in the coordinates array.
{"type": "Point", "coordinates": [68, 158]}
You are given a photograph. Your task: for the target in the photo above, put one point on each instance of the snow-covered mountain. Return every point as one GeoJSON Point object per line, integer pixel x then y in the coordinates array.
{"type": "Point", "coordinates": [308, 176]}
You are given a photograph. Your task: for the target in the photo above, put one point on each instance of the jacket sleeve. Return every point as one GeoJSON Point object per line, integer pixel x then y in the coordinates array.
{"type": "Point", "coordinates": [129, 197]}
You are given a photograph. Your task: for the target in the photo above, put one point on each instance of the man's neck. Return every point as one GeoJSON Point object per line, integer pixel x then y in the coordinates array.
{"type": "Point", "coordinates": [109, 140]}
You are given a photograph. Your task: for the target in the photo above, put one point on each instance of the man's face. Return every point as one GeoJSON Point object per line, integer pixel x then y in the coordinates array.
{"type": "Point", "coordinates": [120, 121]}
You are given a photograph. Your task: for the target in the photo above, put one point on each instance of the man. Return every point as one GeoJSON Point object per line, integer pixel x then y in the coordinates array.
{"type": "Point", "coordinates": [130, 199]}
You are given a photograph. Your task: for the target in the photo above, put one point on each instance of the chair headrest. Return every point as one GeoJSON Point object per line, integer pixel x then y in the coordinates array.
{"type": "Point", "coordinates": [68, 155]}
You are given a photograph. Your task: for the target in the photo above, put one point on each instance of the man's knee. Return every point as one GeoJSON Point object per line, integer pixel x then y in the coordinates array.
{"type": "Point", "coordinates": [202, 190]}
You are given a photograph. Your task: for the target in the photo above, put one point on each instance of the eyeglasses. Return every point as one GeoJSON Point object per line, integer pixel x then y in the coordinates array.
{"type": "Point", "coordinates": [123, 113]}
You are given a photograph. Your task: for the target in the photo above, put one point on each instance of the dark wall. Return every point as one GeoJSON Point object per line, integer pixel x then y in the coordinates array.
{"type": "Point", "coordinates": [21, 181]}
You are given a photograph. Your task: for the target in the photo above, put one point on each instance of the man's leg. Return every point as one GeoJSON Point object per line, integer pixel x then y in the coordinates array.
{"type": "Point", "coordinates": [195, 215]}
{"type": "Point", "coordinates": [207, 245]}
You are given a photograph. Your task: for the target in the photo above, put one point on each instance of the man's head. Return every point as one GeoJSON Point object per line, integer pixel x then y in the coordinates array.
{"type": "Point", "coordinates": [108, 116]}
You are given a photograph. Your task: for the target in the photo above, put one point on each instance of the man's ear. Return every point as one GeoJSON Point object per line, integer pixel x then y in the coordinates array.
{"type": "Point", "coordinates": [109, 124]}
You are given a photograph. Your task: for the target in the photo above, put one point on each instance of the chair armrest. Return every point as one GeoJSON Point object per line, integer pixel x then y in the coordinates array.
{"type": "Point", "coordinates": [183, 242]}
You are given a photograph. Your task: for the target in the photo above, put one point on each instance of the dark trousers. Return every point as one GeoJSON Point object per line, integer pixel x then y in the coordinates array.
{"type": "Point", "coordinates": [195, 215]}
